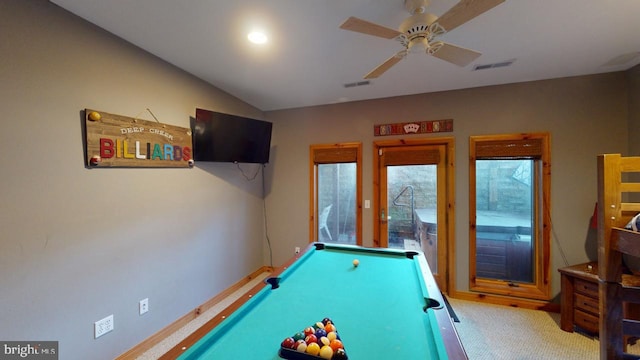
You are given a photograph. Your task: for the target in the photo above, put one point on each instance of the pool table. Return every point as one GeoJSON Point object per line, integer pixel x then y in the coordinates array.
{"type": "Point", "coordinates": [388, 307]}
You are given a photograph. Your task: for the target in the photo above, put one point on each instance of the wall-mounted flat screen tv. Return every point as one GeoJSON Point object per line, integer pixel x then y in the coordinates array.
{"type": "Point", "coordinates": [219, 137]}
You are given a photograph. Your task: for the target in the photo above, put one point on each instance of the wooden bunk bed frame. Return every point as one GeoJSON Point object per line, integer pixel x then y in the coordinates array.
{"type": "Point", "coordinates": [619, 291]}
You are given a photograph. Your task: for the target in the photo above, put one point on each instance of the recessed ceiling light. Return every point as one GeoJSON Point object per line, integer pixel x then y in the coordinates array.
{"type": "Point", "coordinates": [257, 37]}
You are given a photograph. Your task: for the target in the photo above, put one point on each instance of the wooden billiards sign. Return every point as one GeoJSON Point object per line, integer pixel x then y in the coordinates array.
{"type": "Point", "coordinates": [119, 141]}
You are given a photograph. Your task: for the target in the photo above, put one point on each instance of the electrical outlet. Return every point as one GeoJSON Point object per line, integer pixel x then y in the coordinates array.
{"type": "Point", "coordinates": [103, 326]}
{"type": "Point", "coordinates": [144, 305]}
{"type": "Point", "coordinates": [297, 250]}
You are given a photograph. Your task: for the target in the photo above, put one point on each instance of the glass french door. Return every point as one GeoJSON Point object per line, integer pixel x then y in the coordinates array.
{"type": "Point", "coordinates": [411, 212]}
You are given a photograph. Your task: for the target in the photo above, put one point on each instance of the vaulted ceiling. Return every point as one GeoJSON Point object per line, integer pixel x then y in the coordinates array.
{"type": "Point", "coordinates": [308, 58]}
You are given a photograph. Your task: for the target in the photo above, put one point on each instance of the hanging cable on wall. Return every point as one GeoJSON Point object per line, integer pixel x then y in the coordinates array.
{"type": "Point", "coordinates": [264, 213]}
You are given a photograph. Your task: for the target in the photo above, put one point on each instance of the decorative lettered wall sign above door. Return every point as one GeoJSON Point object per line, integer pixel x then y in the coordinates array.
{"type": "Point", "coordinates": [120, 141]}
{"type": "Point", "coordinates": [419, 127]}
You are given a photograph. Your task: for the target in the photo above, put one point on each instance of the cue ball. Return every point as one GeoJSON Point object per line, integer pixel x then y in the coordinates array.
{"type": "Point", "coordinates": [356, 262]}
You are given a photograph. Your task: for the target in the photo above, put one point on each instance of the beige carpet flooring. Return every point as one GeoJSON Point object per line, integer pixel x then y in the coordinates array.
{"type": "Point", "coordinates": [495, 332]}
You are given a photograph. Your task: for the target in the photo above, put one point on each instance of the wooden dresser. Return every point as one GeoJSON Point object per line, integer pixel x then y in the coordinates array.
{"type": "Point", "coordinates": [579, 297]}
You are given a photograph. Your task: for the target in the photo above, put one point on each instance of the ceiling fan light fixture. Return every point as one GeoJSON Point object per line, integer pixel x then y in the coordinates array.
{"type": "Point", "coordinates": [418, 44]}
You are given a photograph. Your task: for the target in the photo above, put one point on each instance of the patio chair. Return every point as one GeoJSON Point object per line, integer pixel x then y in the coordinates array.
{"type": "Point", "coordinates": [323, 221]}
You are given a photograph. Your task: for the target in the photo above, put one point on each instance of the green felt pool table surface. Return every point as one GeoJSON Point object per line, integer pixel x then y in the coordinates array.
{"type": "Point", "coordinates": [378, 308]}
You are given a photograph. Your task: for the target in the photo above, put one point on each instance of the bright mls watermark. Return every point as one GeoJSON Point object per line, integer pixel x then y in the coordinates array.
{"type": "Point", "coordinates": [39, 350]}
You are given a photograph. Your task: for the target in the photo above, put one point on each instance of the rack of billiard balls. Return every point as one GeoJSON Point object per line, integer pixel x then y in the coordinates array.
{"type": "Point", "coordinates": [319, 341]}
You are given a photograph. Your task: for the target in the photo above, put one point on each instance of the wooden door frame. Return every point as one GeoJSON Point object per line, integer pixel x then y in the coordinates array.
{"type": "Point", "coordinates": [449, 144]}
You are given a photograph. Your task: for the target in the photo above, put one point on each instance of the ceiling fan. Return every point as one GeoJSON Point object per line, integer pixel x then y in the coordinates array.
{"type": "Point", "coordinates": [418, 32]}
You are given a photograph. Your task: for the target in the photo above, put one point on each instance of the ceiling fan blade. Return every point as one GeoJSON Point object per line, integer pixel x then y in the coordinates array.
{"type": "Point", "coordinates": [456, 54]}
{"type": "Point", "coordinates": [369, 28]}
{"type": "Point", "coordinates": [386, 65]}
{"type": "Point", "coordinates": [464, 11]}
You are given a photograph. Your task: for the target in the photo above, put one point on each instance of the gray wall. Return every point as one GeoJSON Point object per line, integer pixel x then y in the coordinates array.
{"type": "Point", "coordinates": [79, 244]}
{"type": "Point", "coordinates": [586, 116]}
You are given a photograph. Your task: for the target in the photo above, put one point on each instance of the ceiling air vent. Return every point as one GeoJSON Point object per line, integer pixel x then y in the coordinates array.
{"type": "Point", "coordinates": [623, 59]}
{"type": "Point", "coordinates": [494, 65]}
{"type": "Point", "coordinates": [358, 83]}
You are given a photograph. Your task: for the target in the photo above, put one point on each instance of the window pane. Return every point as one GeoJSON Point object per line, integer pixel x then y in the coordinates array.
{"type": "Point", "coordinates": [505, 219]}
{"type": "Point", "coordinates": [337, 203]}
